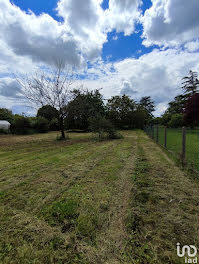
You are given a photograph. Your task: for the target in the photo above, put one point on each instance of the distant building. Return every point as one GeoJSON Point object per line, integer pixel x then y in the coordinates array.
{"type": "Point", "coordinates": [4, 125]}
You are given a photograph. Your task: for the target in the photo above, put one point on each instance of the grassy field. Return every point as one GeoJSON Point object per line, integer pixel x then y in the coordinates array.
{"type": "Point", "coordinates": [82, 201]}
{"type": "Point", "coordinates": [174, 144]}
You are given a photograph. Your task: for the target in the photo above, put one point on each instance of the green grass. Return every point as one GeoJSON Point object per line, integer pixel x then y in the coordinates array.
{"type": "Point", "coordinates": [55, 195]}
{"type": "Point", "coordinates": [83, 201]}
{"type": "Point", "coordinates": [162, 206]}
{"type": "Point", "coordinates": [174, 144]}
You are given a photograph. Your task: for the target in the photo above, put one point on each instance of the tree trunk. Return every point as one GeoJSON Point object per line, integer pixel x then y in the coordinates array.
{"type": "Point", "coordinates": [62, 128]}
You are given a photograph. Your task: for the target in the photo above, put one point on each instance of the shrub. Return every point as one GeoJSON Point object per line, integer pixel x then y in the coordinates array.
{"type": "Point", "coordinates": [3, 131]}
{"type": "Point", "coordinates": [104, 128]}
{"type": "Point", "coordinates": [21, 125]}
{"type": "Point", "coordinates": [176, 121]}
{"type": "Point", "coordinates": [41, 125]}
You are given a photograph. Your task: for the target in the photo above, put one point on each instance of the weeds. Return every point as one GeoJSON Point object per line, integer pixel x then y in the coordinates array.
{"type": "Point", "coordinates": [62, 212]}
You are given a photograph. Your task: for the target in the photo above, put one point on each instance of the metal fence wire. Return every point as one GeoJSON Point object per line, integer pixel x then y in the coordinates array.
{"type": "Point", "coordinates": [182, 143]}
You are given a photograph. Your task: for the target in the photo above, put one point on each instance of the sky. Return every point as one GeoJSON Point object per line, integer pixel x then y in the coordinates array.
{"type": "Point", "coordinates": [133, 47]}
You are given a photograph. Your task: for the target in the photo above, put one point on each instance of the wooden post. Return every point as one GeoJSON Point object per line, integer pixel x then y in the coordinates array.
{"type": "Point", "coordinates": [165, 136]}
{"type": "Point", "coordinates": [183, 145]}
{"type": "Point", "coordinates": [157, 131]}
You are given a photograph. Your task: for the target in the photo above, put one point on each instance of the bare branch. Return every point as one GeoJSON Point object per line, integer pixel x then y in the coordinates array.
{"type": "Point", "coordinates": [49, 87]}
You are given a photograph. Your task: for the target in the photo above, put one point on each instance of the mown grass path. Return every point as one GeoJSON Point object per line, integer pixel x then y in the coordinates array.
{"type": "Point", "coordinates": [164, 207]}
{"type": "Point", "coordinates": [56, 197]}
{"type": "Point", "coordinates": [82, 201]}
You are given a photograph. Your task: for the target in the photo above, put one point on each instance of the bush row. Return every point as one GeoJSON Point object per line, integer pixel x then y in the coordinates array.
{"type": "Point", "coordinates": [29, 125]}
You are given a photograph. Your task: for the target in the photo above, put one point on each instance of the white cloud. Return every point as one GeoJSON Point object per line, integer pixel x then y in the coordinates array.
{"type": "Point", "coordinates": [28, 41]}
{"type": "Point", "coordinates": [192, 46]}
{"type": "Point", "coordinates": [160, 108]}
{"type": "Point", "coordinates": [115, 37]}
{"type": "Point", "coordinates": [39, 37]}
{"type": "Point", "coordinates": [122, 15]}
{"type": "Point", "coordinates": [171, 22]}
{"type": "Point", "coordinates": [157, 74]}
{"type": "Point", "coordinates": [90, 23]}
{"type": "Point", "coordinates": [80, 37]}
{"type": "Point", "coordinates": [127, 88]}
{"type": "Point", "coordinates": [10, 88]}
{"type": "Point", "coordinates": [85, 20]}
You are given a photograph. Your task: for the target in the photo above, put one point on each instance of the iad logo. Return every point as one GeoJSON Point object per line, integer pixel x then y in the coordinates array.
{"type": "Point", "coordinates": [191, 252]}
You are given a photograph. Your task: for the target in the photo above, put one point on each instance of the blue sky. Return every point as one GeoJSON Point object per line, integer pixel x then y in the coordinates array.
{"type": "Point", "coordinates": [38, 6]}
{"type": "Point", "coordinates": [114, 49]}
{"type": "Point", "coordinates": [122, 46]}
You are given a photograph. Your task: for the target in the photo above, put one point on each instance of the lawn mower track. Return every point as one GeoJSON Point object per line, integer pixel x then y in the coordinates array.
{"type": "Point", "coordinates": [173, 218]}
{"type": "Point", "coordinates": [169, 216]}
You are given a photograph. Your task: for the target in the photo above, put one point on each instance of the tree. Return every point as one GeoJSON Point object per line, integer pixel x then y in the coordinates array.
{"type": "Point", "coordinates": [48, 112]}
{"type": "Point", "coordinates": [85, 104]}
{"type": "Point", "coordinates": [177, 105]}
{"type": "Point", "coordinates": [140, 117]}
{"type": "Point", "coordinates": [191, 115]}
{"type": "Point", "coordinates": [120, 111]}
{"type": "Point", "coordinates": [190, 85]}
{"type": "Point", "coordinates": [147, 104]}
{"type": "Point", "coordinates": [176, 121]}
{"type": "Point", "coordinates": [165, 118]}
{"type": "Point", "coordinates": [6, 114]}
{"type": "Point", "coordinates": [103, 127]}
{"type": "Point", "coordinates": [54, 124]}
{"type": "Point", "coordinates": [50, 87]}
{"type": "Point", "coordinates": [41, 124]}
{"type": "Point", "coordinates": [144, 110]}
{"type": "Point", "coordinates": [156, 120]}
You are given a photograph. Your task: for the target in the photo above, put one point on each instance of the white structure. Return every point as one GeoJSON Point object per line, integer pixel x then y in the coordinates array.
{"type": "Point", "coordinates": [4, 125]}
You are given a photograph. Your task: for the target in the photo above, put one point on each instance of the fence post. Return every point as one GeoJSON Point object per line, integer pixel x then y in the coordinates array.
{"type": "Point", "coordinates": [165, 136]}
{"type": "Point", "coordinates": [157, 132]}
{"type": "Point", "coordinates": [183, 145]}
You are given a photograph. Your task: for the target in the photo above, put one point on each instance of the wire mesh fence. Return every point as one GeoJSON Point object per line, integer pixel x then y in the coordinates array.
{"type": "Point", "coordinates": [182, 143]}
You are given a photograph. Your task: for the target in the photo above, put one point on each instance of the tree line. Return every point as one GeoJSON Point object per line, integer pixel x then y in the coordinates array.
{"type": "Point", "coordinates": [62, 108]}
{"type": "Point", "coordinates": [85, 111]}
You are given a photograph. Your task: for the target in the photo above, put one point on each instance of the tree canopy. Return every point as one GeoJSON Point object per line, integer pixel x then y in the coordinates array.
{"type": "Point", "coordinates": [190, 83]}
{"type": "Point", "coordinates": [85, 104]}
{"type": "Point", "coordinates": [6, 114]}
{"type": "Point", "coordinates": [147, 104]}
{"type": "Point", "coordinates": [192, 110]}
{"type": "Point", "coordinates": [49, 112]}
{"type": "Point", "coordinates": [120, 110]}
